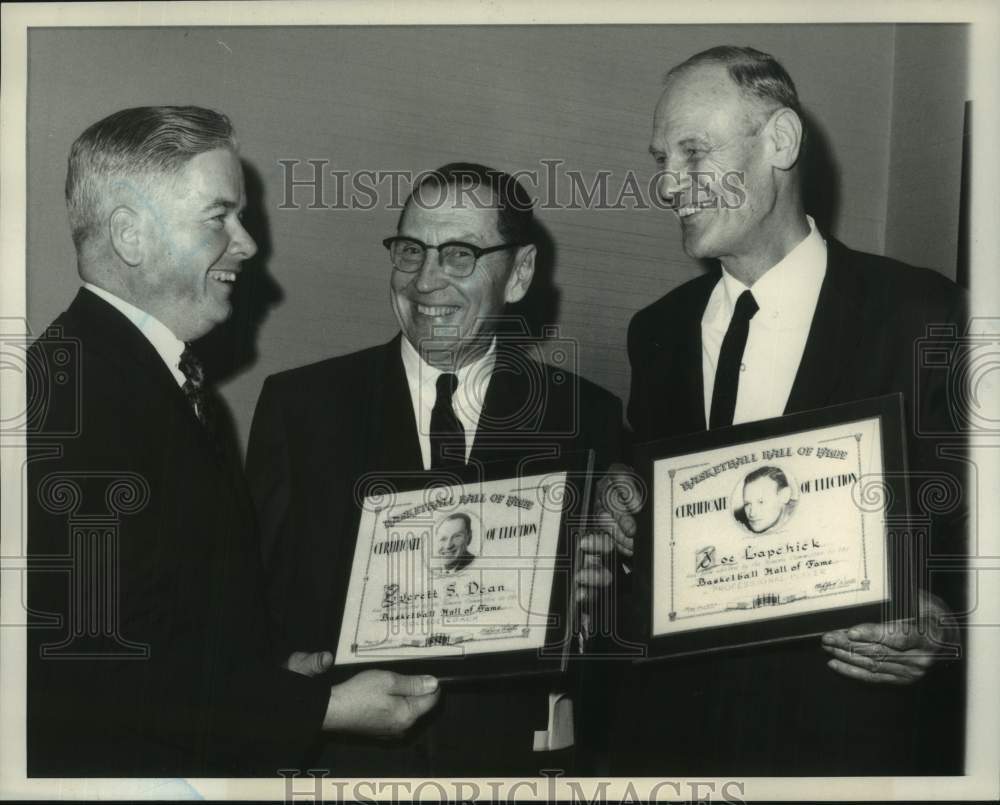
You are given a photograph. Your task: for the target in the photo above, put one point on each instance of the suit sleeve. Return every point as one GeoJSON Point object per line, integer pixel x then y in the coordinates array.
{"type": "Point", "coordinates": [638, 401]}
{"type": "Point", "coordinates": [609, 437]}
{"type": "Point", "coordinates": [939, 459]}
{"type": "Point", "coordinates": [267, 469]}
{"type": "Point", "coordinates": [184, 683]}
{"type": "Point", "coordinates": [269, 478]}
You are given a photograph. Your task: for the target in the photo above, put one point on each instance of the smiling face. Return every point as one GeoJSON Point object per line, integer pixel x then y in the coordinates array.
{"type": "Point", "coordinates": [453, 539]}
{"type": "Point", "coordinates": [443, 316]}
{"type": "Point", "coordinates": [194, 244]}
{"type": "Point", "coordinates": [763, 502]}
{"type": "Point", "coordinates": [717, 177]}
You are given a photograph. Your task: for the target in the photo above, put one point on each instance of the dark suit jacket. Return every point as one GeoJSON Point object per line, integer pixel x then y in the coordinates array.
{"type": "Point", "coordinates": [171, 672]}
{"type": "Point", "coordinates": [779, 710]}
{"type": "Point", "coordinates": [317, 432]}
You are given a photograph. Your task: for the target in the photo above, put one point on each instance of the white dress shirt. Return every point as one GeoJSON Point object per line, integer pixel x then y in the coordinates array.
{"type": "Point", "coordinates": [467, 402]}
{"type": "Point", "coordinates": [786, 299]}
{"type": "Point", "coordinates": [166, 344]}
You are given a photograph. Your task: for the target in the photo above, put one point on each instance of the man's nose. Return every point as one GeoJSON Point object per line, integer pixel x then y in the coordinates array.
{"type": "Point", "coordinates": [430, 275]}
{"type": "Point", "coordinates": [673, 183]}
{"type": "Point", "coordinates": [242, 245]}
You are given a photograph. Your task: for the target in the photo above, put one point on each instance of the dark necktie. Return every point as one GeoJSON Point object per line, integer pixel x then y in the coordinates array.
{"type": "Point", "coordinates": [194, 386]}
{"type": "Point", "coordinates": [727, 371]}
{"type": "Point", "coordinates": [447, 433]}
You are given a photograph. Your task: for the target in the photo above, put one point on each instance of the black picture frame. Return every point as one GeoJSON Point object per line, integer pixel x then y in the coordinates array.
{"type": "Point", "coordinates": [573, 505]}
{"type": "Point", "coordinates": [899, 582]}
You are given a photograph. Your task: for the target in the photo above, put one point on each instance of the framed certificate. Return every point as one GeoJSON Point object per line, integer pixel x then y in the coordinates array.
{"type": "Point", "coordinates": [466, 573]}
{"type": "Point", "coordinates": [774, 529]}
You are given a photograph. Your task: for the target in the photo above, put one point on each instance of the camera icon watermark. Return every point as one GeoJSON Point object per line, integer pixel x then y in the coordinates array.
{"type": "Point", "coordinates": [48, 367]}
{"type": "Point", "coordinates": [540, 374]}
{"type": "Point", "coordinates": [964, 366]}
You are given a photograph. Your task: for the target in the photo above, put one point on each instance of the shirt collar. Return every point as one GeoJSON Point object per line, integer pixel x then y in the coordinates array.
{"type": "Point", "coordinates": [166, 344]}
{"type": "Point", "coordinates": [420, 373]}
{"type": "Point", "coordinates": [784, 291]}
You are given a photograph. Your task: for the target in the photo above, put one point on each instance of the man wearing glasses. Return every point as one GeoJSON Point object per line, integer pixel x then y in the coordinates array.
{"type": "Point", "coordinates": [450, 389]}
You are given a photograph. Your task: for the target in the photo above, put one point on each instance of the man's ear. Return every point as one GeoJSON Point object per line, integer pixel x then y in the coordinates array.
{"type": "Point", "coordinates": [785, 495]}
{"type": "Point", "coordinates": [521, 275]}
{"type": "Point", "coordinates": [785, 137]}
{"type": "Point", "coordinates": [126, 235]}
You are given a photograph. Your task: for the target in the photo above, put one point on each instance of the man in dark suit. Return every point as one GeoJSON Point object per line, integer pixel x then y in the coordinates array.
{"type": "Point", "coordinates": [148, 649]}
{"type": "Point", "coordinates": [450, 389]}
{"type": "Point", "coordinates": [792, 322]}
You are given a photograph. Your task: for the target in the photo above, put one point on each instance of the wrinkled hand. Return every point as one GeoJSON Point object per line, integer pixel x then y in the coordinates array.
{"type": "Point", "coordinates": [894, 653]}
{"type": "Point", "coordinates": [380, 704]}
{"type": "Point", "coordinates": [309, 663]}
{"type": "Point", "coordinates": [619, 499]}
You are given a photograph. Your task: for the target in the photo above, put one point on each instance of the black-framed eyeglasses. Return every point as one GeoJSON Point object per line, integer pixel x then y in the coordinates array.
{"type": "Point", "coordinates": [458, 259]}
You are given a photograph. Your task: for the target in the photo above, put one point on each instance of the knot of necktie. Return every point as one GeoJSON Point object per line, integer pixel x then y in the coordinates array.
{"type": "Point", "coordinates": [192, 369]}
{"type": "Point", "coordinates": [746, 306]}
{"type": "Point", "coordinates": [194, 384]}
{"type": "Point", "coordinates": [446, 385]}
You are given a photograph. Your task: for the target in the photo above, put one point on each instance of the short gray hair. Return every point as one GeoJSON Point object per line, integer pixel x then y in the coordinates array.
{"type": "Point", "coordinates": [758, 75]}
{"type": "Point", "coordinates": [131, 146]}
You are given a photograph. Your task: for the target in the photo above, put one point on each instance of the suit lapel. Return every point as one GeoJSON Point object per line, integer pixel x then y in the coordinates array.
{"type": "Point", "coordinates": [110, 332]}
{"type": "Point", "coordinates": [392, 427]}
{"type": "Point", "coordinates": [834, 335]}
{"type": "Point", "coordinates": [691, 403]}
{"type": "Point", "coordinates": [677, 368]}
{"type": "Point", "coordinates": [504, 395]}
{"type": "Point", "coordinates": [503, 405]}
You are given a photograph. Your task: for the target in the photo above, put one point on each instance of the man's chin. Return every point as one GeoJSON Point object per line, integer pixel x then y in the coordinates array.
{"type": "Point", "coordinates": [220, 315]}
{"type": "Point", "coordinates": [696, 247]}
{"type": "Point", "coordinates": [425, 334]}
{"type": "Point", "coordinates": [197, 330]}
{"type": "Point", "coordinates": [449, 353]}
{"type": "Point", "coordinates": [218, 306]}
{"type": "Point", "coordinates": [697, 238]}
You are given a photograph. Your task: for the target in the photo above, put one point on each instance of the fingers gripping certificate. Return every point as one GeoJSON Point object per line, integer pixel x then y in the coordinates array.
{"type": "Point", "coordinates": [453, 571]}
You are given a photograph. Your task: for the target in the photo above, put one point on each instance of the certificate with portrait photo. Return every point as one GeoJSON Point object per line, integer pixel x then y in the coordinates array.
{"type": "Point", "coordinates": [775, 529]}
{"type": "Point", "coordinates": [465, 573]}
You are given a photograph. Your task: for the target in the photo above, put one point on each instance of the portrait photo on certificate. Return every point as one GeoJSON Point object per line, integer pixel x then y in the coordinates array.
{"type": "Point", "coordinates": [465, 573]}
{"type": "Point", "coordinates": [776, 529]}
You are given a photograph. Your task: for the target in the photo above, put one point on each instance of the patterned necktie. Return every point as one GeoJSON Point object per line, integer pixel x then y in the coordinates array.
{"type": "Point", "coordinates": [727, 371]}
{"type": "Point", "coordinates": [447, 433]}
{"type": "Point", "coordinates": [194, 386]}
